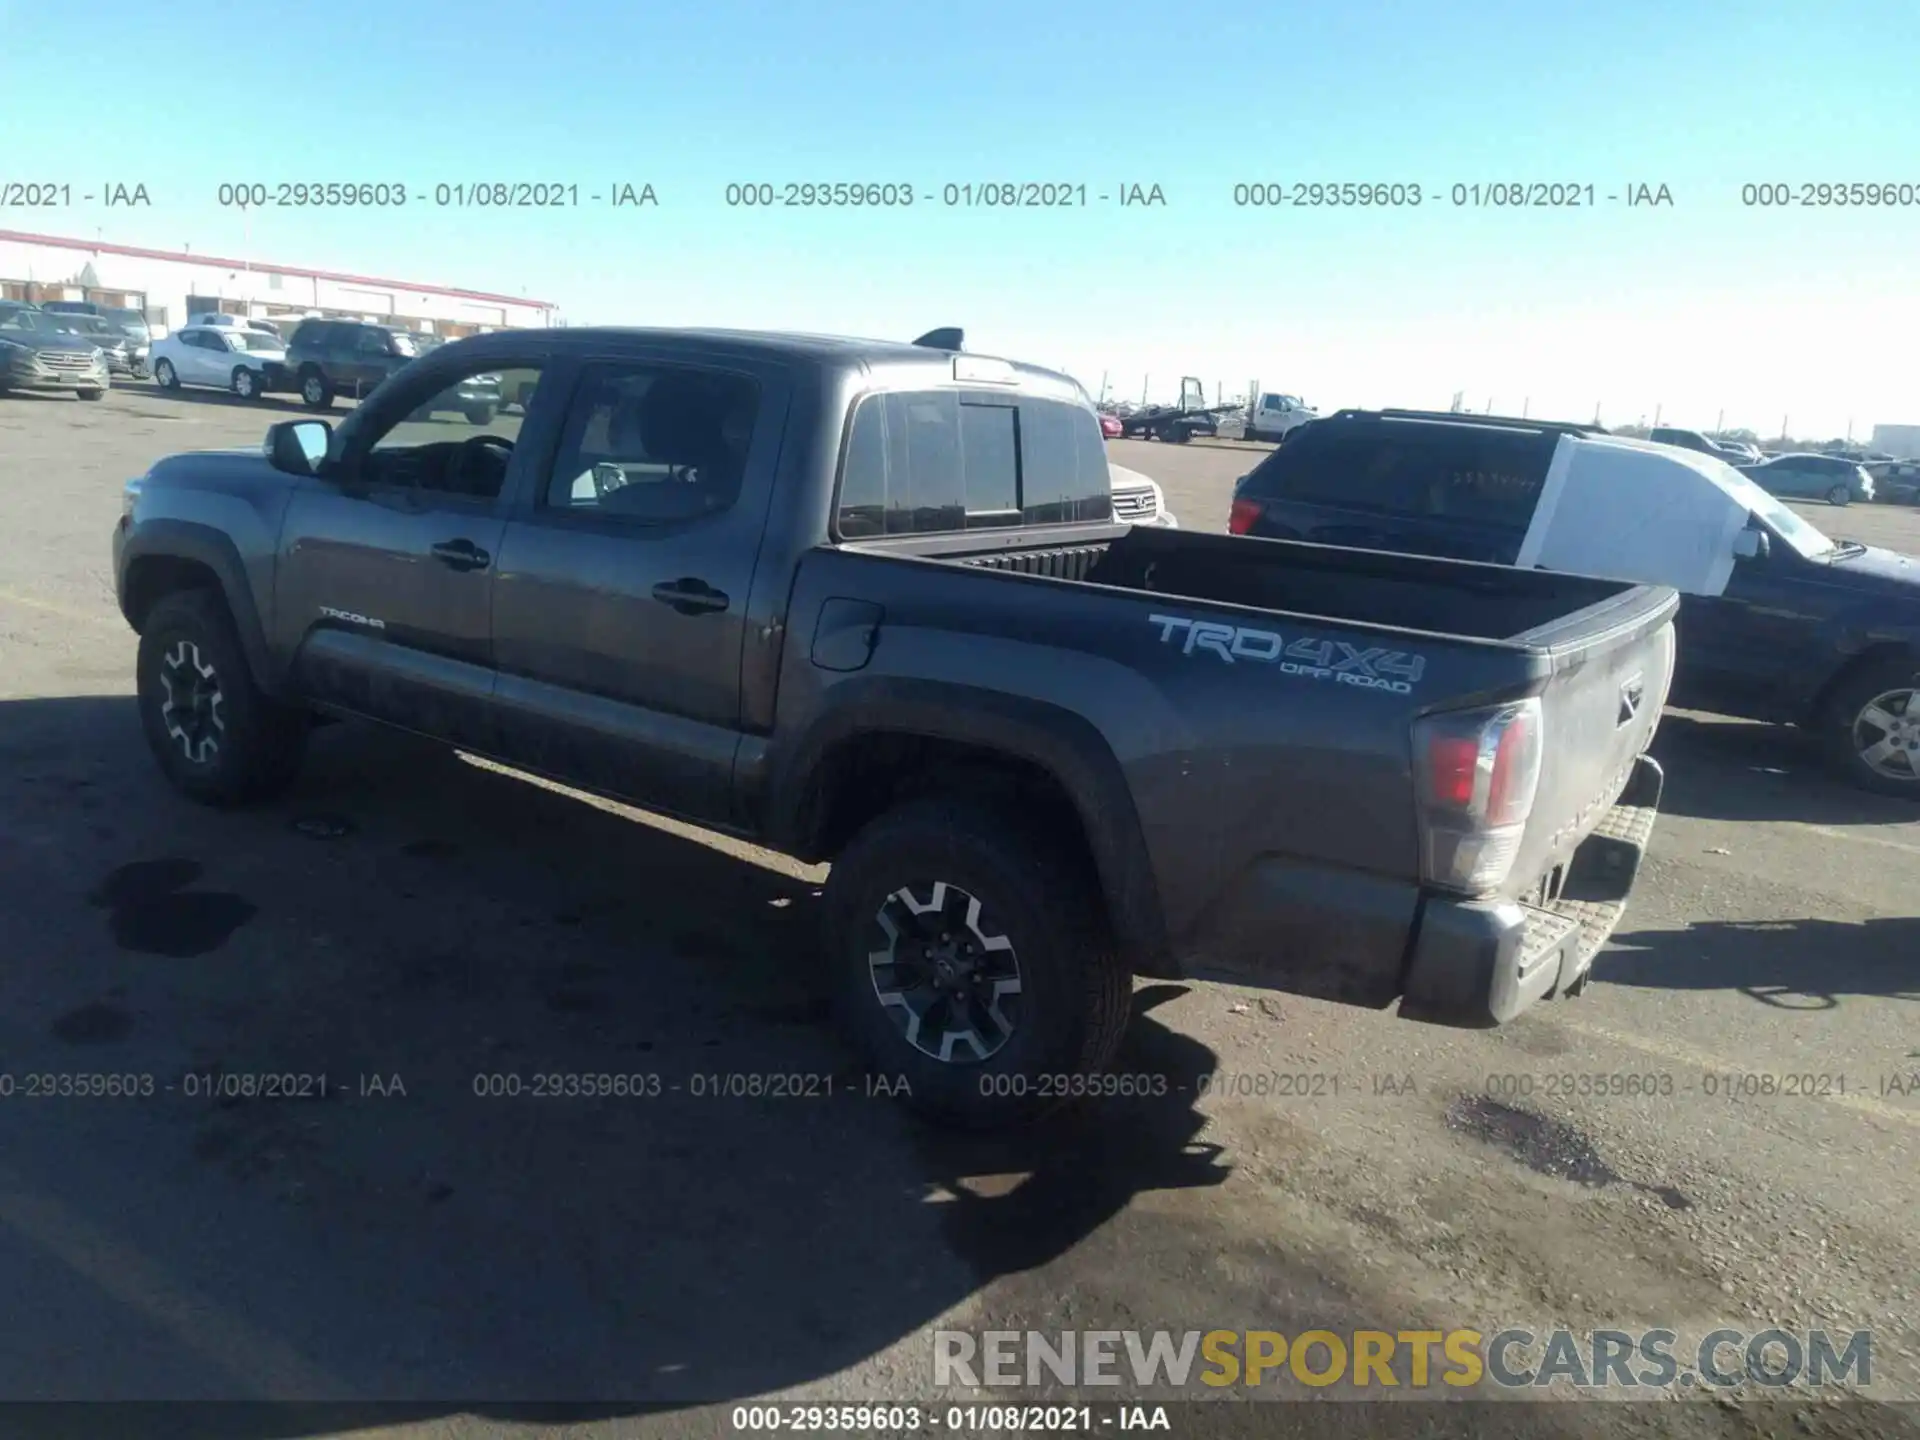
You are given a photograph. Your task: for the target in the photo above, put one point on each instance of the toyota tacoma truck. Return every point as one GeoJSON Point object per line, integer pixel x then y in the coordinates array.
{"type": "Point", "coordinates": [865, 603]}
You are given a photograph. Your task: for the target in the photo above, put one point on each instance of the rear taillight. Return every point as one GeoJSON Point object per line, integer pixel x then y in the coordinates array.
{"type": "Point", "coordinates": [1477, 772]}
{"type": "Point", "coordinates": [1243, 516]}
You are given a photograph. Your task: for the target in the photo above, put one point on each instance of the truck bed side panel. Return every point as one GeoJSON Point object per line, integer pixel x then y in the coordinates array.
{"type": "Point", "coordinates": [1235, 758]}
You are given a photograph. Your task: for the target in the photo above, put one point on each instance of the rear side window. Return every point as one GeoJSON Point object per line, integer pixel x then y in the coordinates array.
{"type": "Point", "coordinates": [934, 461]}
{"type": "Point", "coordinates": [1486, 477]}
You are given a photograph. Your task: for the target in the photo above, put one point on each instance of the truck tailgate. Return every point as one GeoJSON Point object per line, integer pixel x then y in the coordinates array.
{"type": "Point", "coordinates": [1599, 711]}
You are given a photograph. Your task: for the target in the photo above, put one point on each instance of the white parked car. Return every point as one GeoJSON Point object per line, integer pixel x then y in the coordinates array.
{"type": "Point", "coordinates": [1137, 500]}
{"type": "Point", "coordinates": [248, 362]}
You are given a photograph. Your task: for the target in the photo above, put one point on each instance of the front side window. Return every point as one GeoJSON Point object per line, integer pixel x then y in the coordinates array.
{"type": "Point", "coordinates": [653, 444]}
{"type": "Point", "coordinates": [441, 446]}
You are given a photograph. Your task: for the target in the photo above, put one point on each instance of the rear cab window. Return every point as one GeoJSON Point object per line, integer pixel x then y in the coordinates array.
{"type": "Point", "coordinates": [928, 462]}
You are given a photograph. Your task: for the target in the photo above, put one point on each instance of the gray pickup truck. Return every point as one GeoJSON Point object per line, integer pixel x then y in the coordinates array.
{"type": "Point", "coordinates": [865, 603]}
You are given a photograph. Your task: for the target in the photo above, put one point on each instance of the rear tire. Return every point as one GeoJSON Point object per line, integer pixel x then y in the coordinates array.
{"type": "Point", "coordinates": [1840, 495]}
{"type": "Point", "coordinates": [1035, 994]}
{"type": "Point", "coordinates": [218, 739]}
{"type": "Point", "coordinates": [480, 415]}
{"type": "Point", "coordinates": [1870, 729]}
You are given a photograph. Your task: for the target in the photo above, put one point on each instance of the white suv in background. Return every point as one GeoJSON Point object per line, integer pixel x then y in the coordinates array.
{"type": "Point", "coordinates": [1138, 500]}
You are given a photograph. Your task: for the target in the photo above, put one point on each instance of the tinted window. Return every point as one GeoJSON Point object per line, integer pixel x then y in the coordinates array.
{"type": "Point", "coordinates": [654, 443]}
{"type": "Point", "coordinates": [1063, 472]}
{"type": "Point", "coordinates": [1485, 477]}
{"type": "Point", "coordinates": [935, 461]}
{"type": "Point", "coordinates": [990, 463]}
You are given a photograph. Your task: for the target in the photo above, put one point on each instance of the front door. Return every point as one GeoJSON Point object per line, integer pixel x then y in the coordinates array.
{"type": "Point", "coordinates": [387, 567]}
{"type": "Point", "coordinates": [619, 614]}
{"type": "Point", "coordinates": [1759, 648]}
{"type": "Point", "coordinates": [371, 359]}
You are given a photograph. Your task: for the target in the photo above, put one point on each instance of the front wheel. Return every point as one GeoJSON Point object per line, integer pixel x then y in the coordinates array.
{"type": "Point", "coordinates": [217, 738]}
{"type": "Point", "coordinates": [1872, 728]}
{"type": "Point", "coordinates": [246, 384]}
{"type": "Point", "coordinates": [973, 961]}
{"type": "Point", "coordinates": [91, 394]}
{"type": "Point", "coordinates": [1840, 495]}
{"type": "Point", "coordinates": [165, 376]}
{"type": "Point", "coordinates": [315, 390]}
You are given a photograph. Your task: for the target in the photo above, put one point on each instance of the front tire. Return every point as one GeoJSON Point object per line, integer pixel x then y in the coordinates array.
{"type": "Point", "coordinates": [246, 385]}
{"type": "Point", "coordinates": [165, 376]}
{"type": "Point", "coordinates": [316, 391]}
{"type": "Point", "coordinates": [217, 738]}
{"type": "Point", "coordinates": [974, 961]}
{"type": "Point", "coordinates": [1840, 495]}
{"type": "Point", "coordinates": [91, 394]}
{"type": "Point", "coordinates": [1871, 728]}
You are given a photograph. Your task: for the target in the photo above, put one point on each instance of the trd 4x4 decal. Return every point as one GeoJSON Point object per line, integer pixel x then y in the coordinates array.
{"type": "Point", "coordinates": [1306, 656]}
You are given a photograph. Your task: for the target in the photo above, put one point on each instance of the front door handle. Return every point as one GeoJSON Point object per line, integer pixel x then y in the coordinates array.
{"type": "Point", "coordinates": [690, 596]}
{"type": "Point", "coordinates": [461, 555]}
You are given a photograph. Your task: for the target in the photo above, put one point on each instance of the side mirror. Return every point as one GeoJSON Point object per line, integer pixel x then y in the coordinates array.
{"type": "Point", "coordinates": [297, 446]}
{"type": "Point", "coordinates": [1751, 545]}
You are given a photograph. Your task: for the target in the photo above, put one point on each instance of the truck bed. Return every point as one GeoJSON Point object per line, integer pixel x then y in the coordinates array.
{"type": "Point", "coordinates": [1407, 592]}
{"type": "Point", "coordinates": [1180, 649]}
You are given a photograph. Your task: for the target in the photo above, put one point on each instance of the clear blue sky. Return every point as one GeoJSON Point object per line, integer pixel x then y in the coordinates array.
{"type": "Point", "coordinates": [1701, 306]}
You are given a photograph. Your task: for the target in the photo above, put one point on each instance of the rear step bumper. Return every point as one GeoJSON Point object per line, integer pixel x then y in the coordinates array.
{"type": "Point", "coordinates": [1480, 963]}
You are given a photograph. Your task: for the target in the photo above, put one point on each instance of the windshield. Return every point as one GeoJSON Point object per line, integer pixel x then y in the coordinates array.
{"type": "Point", "coordinates": [403, 344]}
{"type": "Point", "coordinates": [1787, 524]}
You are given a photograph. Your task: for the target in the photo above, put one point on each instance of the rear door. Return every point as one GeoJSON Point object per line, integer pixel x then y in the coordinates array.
{"type": "Point", "coordinates": [198, 349]}
{"type": "Point", "coordinates": [619, 618]}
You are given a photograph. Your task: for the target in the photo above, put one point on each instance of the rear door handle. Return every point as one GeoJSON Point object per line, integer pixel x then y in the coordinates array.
{"type": "Point", "coordinates": [690, 596]}
{"type": "Point", "coordinates": [461, 555]}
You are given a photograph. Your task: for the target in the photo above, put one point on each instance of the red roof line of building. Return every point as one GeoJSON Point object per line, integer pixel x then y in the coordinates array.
{"type": "Point", "coordinates": [97, 248]}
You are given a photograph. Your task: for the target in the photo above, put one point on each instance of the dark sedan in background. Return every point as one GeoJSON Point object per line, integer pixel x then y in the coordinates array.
{"type": "Point", "coordinates": [38, 355]}
{"type": "Point", "coordinates": [1812, 477]}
